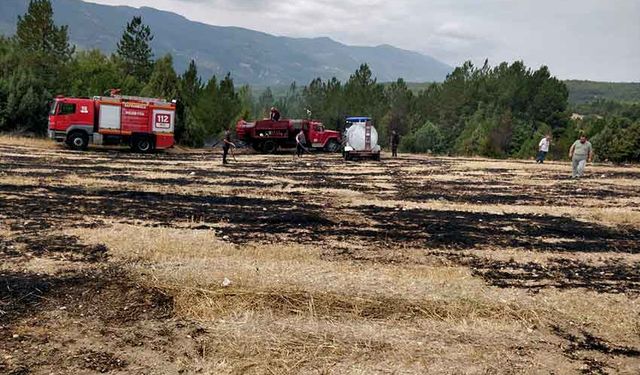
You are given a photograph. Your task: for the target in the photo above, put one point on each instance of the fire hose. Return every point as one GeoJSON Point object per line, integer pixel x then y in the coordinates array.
{"type": "Point", "coordinates": [233, 153]}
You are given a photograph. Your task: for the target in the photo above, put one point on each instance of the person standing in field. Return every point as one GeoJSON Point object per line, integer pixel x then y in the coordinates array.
{"type": "Point", "coordinates": [226, 145]}
{"type": "Point", "coordinates": [395, 141]}
{"type": "Point", "coordinates": [543, 148]}
{"type": "Point", "coordinates": [580, 153]}
{"type": "Point", "coordinates": [300, 142]}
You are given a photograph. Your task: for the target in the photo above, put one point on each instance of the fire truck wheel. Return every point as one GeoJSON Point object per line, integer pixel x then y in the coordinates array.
{"type": "Point", "coordinates": [78, 140]}
{"type": "Point", "coordinates": [142, 144]}
{"type": "Point", "coordinates": [332, 146]}
{"type": "Point", "coordinates": [269, 147]}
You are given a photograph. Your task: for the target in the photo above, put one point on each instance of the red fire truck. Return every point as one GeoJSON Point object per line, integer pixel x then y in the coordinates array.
{"type": "Point", "coordinates": [268, 135]}
{"type": "Point", "coordinates": [145, 124]}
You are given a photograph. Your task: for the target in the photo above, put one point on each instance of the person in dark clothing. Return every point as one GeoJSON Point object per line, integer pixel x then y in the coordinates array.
{"type": "Point", "coordinates": [300, 141]}
{"type": "Point", "coordinates": [275, 114]}
{"type": "Point", "coordinates": [395, 141]}
{"type": "Point", "coordinates": [225, 147]}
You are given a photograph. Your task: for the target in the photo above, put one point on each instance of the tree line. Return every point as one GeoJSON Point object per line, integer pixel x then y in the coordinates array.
{"type": "Point", "coordinates": [39, 63]}
{"type": "Point", "coordinates": [500, 111]}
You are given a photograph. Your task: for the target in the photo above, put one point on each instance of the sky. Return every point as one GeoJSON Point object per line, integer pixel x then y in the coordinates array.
{"type": "Point", "coordinates": [577, 39]}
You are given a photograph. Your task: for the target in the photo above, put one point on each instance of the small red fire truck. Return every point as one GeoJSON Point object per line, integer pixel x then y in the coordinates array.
{"type": "Point", "coordinates": [267, 135]}
{"type": "Point", "coordinates": [145, 124]}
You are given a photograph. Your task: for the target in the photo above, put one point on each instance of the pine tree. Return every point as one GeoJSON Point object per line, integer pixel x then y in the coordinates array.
{"type": "Point", "coordinates": [189, 90]}
{"type": "Point", "coordinates": [314, 99]}
{"type": "Point", "coordinates": [36, 32]}
{"type": "Point", "coordinates": [429, 139]}
{"type": "Point", "coordinates": [24, 106]}
{"type": "Point", "coordinates": [93, 73]}
{"type": "Point", "coordinates": [400, 100]}
{"type": "Point", "coordinates": [44, 47]}
{"type": "Point", "coordinates": [163, 82]}
{"type": "Point", "coordinates": [135, 51]}
{"type": "Point", "coordinates": [206, 111]}
{"type": "Point", "coordinates": [229, 104]}
{"type": "Point", "coordinates": [190, 85]}
{"type": "Point", "coordinates": [265, 101]}
{"type": "Point", "coordinates": [336, 108]}
{"type": "Point", "coordinates": [246, 100]}
{"type": "Point", "coordinates": [364, 96]}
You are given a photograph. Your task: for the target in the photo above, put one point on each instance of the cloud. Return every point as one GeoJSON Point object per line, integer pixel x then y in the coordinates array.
{"type": "Point", "coordinates": [590, 39]}
{"type": "Point", "coordinates": [455, 30]}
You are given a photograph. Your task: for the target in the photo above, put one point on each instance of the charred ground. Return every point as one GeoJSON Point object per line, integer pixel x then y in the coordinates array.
{"type": "Point", "coordinates": [65, 301]}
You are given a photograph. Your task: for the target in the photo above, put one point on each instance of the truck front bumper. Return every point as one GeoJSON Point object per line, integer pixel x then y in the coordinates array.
{"type": "Point", "coordinates": [57, 135]}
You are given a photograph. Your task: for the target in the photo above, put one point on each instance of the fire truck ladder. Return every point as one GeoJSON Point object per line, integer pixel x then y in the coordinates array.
{"type": "Point", "coordinates": [367, 136]}
{"type": "Point", "coordinates": [133, 98]}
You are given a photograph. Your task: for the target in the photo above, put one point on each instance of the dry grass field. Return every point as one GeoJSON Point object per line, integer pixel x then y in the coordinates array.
{"type": "Point", "coordinates": [119, 263]}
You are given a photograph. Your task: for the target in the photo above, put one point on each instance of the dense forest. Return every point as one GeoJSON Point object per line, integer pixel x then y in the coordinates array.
{"type": "Point", "coordinates": [582, 92]}
{"type": "Point", "coordinates": [499, 111]}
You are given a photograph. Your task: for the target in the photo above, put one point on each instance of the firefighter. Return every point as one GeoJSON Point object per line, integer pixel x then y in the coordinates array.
{"type": "Point", "coordinates": [395, 141]}
{"type": "Point", "coordinates": [300, 142]}
{"type": "Point", "coordinates": [275, 114]}
{"type": "Point", "coordinates": [227, 144]}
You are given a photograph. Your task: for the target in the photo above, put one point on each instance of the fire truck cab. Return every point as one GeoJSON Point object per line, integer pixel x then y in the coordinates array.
{"type": "Point", "coordinates": [144, 124]}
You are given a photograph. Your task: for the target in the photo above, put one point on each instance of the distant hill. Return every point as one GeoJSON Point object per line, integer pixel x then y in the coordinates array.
{"type": "Point", "coordinates": [587, 91]}
{"type": "Point", "coordinates": [252, 57]}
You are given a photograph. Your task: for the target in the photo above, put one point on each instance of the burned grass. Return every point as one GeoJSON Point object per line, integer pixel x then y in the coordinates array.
{"type": "Point", "coordinates": [24, 291]}
{"type": "Point", "coordinates": [467, 230]}
{"type": "Point", "coordinates": [45, 204]}
{"type": "Point", "coordinates": [87, 313]}
{"type": "Point", "coordinates": [582, 344]}
{"type": "Point", "coordinates": [77, 296]}
{"type": "Point", "coordinates": [62, 247]}
{"type": "Point", "coordinates": [612, 275]}
{"type": "Point", "coordinates": [115, 262]}
{"type": "Point", "coordinates": [505, 191]}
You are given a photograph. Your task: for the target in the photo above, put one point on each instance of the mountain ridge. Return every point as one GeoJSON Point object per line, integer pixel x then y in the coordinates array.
{"type": "Point", "coordinates": [252, 57]}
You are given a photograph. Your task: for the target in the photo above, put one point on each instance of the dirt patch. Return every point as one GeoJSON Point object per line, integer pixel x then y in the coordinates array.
{"type": "Point", "coordinates": [101, 361]}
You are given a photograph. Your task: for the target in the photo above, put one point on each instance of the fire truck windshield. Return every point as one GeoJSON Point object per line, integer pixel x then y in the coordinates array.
{"type": "Point", "coordinates": [54, 108]}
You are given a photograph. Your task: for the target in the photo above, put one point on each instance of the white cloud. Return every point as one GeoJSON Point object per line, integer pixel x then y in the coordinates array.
{"type": "Point", "coordinates": [588, 39]}
{"type": "Point", "coordinates": [455, 30]}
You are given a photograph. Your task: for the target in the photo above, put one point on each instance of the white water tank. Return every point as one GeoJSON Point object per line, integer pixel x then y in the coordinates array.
{"type": "Point", "coordinates": [356, 137]}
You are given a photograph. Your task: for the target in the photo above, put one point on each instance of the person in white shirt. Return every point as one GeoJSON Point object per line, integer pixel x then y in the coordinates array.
{"type": "Point", "coordinates": [543, 148]}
